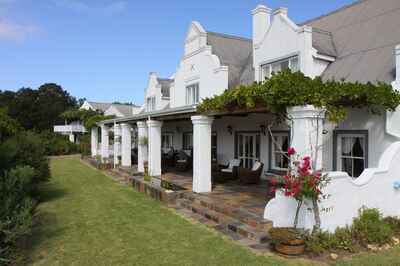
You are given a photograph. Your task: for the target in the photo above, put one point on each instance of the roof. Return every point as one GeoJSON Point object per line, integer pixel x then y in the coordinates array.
{"type": "Point", "coordinates": [100, 106]}
{"type": "Point", "coordinates": [323, 42]}
{"type": "Point", "coordinates": [364, 35]}
{"type": "Point", "coordinates": [165, 86]}
{"type": "Point", "coordinates": [124, 109]}
{"type": "Point", "coordinates": [236, 53]}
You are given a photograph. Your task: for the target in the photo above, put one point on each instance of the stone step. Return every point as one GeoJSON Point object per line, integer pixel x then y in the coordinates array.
{"type": "Point", "coordinates": [237, 213]}
{"type": "Point", "coordinates": [224, 221]}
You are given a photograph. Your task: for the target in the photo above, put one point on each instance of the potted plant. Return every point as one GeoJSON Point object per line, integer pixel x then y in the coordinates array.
{"type": "Point", "coordinates": [143, 141]}
{"type": "Point", "coordinates": [287, 240]}
{"type": "Point", "coordinates": [304, 185]}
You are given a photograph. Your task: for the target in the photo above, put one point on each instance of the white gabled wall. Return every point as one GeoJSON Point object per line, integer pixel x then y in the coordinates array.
{"type": "Point", "coordinates": [198, 65]}
{"type": "Point", "coordinates": [283, 39]}
{"type": "Point", "coordinates": [154, 90]}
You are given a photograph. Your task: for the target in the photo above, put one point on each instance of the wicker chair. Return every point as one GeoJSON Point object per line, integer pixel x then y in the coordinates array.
{"type": "Point", "coordinates": [251, 176]}
{"type": "Point", "coordinates": [183, 162]}
{"type": "Point", "coordinates": [228, 172]}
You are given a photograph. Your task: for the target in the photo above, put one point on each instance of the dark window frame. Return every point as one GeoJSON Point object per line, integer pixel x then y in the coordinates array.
{"type": "Point", "coordinates": [338, 132]}
{"type": "Point", "coordinates": [270, 168]}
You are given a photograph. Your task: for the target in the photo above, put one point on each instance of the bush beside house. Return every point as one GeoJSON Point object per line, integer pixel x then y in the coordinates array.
{"type": "Point", "coordinates": [23, 166]}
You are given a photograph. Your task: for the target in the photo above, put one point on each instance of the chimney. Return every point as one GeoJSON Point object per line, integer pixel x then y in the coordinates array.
{"type": "Point", "coordinates": [261, 22]}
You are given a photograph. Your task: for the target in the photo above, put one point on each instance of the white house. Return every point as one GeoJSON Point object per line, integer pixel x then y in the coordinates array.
{"type": "Point", "coordinates": [75, 129]}
{"type": "Point", "coordinates": [355, 43]}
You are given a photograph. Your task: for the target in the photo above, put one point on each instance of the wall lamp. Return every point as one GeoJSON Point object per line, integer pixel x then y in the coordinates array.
{"type": "Point", "coordinates": [263, 129]}
{"type": "Point", "coordinates": [230, 129]}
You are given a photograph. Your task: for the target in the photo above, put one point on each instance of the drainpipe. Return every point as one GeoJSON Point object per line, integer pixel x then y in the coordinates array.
{"type": "Point", "coordinates": [393, 118]}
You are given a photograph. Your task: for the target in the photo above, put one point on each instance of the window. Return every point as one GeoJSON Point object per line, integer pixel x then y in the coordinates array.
{"type": "Point", "coordinates": [151, 103]}
{"type": "Point", "coordinates": [248, 148]}
{"type": "Point", "coordinates": [214, 146]}
{"type": "Point", "coordinates": [167, 142]}
{"type": "Point", "coordinates": [279, 143]}
{"type": "Point", "coordinates": [351, 154]}
{"type": "Point", "coordinates": [187, 141]}
{"type": "Point", "coordinates": [291, 63]}
{"type": "Point", "coordinates": [192, 94]}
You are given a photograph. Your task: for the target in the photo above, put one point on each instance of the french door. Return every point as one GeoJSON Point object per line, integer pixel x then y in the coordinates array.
{"type": "Point", "coordinates": [248, 148]}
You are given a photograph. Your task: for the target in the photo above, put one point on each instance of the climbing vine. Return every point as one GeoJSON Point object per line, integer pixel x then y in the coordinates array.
{"type": "Point", "coordinates": [287, 89]}
{"type": "Point", "coordinates": [88, 117]}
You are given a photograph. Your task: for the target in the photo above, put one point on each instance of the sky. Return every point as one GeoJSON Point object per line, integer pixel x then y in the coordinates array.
{"type": "Point", "coordinates": [104, 50]}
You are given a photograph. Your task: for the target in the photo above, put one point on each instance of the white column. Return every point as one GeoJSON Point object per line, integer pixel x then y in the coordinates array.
{"type": "Point", "coordinates": [202, 153]}
{"type": "Point", "coordinates": [307, 124]}
{"type": "Point", "coordinates": [154, 147]}
{"type": "Point", "coordinates": [142, 148]}
{"type": "Point", "coordinates": [104, 141]}
{"type": "Point", "coordinates": [71, 137]}
{"type": "Point", "coordinates": [94, 137]}
{"type": "Point", "coordinates": [117, 139]}
{"type": "Point", "coordinates": [126, 143]}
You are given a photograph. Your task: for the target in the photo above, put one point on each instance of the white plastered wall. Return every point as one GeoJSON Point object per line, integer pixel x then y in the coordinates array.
{"type": "Point", "coordinates": [198, 65]}
{"type": "Point", "coordinates": [154, 89]}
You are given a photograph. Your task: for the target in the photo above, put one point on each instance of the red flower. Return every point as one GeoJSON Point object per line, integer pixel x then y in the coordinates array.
{"type": "Point", "coordinates": [291, 151]}
{"type": "Point", "coordinates": [273, 190]}
{"type": "Point", "coordinates": [273, 181]}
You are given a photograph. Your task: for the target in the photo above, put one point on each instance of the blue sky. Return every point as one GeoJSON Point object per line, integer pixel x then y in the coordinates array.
{"type": "Point", "coordinates": [103, 50]}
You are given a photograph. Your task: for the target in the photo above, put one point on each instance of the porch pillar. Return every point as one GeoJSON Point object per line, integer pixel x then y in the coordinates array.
{"type": "Point", "coordinates": [306, 123]}
{"type": "Point", "coordinates": [142, 147]}
{"type": "Point", "coordinates": [94, 138]}
{"type": "Point", "coordinates": [117, 140]}
{"type": "Point", "coordinates": [71, 137]}
{"type": "Point", "coordinates": [202, 153]}
{"type": "Point", "coordinates": [104, 142]}
{"type": "Point", "coordinates": [126, 144]}
{"type": "Point", "coordinates": [154, 147]}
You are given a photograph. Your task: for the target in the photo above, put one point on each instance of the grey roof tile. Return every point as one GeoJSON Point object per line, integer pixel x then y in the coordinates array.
{"type": "Point", "coordinates": [236, 53]}
{"type": "Point", "coordinates": [364, 36]}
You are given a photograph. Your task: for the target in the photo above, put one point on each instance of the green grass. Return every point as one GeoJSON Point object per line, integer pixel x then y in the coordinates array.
{"type": "Point", "coordinates": [88, 219]}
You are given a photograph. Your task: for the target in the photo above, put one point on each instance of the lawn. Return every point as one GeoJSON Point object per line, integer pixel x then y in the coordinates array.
{"type": "Point", "coordinates": [86, 218]}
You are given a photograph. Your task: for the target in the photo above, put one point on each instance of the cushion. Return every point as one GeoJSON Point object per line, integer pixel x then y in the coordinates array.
{"type": "Point", "coordinates": [181, 161]}
{"type": "Point", "coordinates": [227, 170]}
{"type": "Point", "coordinates": [234, 162]}
{"type": "Point", "coordinates": [256, 166]}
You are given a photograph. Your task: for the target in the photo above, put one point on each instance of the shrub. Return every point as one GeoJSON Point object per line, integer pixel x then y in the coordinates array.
{"type": "Point", "coordinates": [393, 222]}
{"type": "Point", "coordinates": [15, 209]}
{"type": "Point", "coordinates": [26, 148]}
{"type": "Point", "coordinates": [56, 144]}
{"type": "Point", "coordinates": [322, 241]}
{"type": "Point", "coordinates": [369, 227]}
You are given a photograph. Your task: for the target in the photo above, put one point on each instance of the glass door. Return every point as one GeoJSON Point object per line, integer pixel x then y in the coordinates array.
{"type": "Point", "coordinates": [248, 148]}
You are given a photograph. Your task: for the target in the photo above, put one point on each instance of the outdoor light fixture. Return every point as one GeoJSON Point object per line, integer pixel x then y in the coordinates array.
{"type": "Point", "coordinates": [324, 132]}
{"type": "Point", "coordinates": [230, 129]}
{"type": "Point", "coordinates": [263, 129]}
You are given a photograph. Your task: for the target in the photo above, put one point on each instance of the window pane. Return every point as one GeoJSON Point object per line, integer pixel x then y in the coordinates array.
{"type": "Point", "coordinates": [358, 167]}
{"type": "Point", "coordinates": [294, 64]}
{"type": "Point", "coordinates": [358, 147]}
{"type": "Point", "coordinates": [276, 67]}
{"type": "Point", "coordinates": [284, 64]}
{"type": "Point", "coordinates": [347, 166]}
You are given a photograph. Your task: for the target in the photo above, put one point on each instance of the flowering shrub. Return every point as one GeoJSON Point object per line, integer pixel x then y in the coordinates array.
{"type": "Point", "coordinates": [302, 183]}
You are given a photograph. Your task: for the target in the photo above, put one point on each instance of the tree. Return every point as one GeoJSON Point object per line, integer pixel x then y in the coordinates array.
{"type": "Point", "coordinates": [38, 109]}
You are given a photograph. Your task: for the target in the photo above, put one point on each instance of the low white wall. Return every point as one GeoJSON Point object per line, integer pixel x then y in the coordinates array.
{"type": "Point", "coordinates": [373, 189]}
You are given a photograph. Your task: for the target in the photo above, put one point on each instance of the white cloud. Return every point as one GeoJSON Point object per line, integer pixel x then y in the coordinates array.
{"type": "Point", "coordinates": [112, 8]}
{"type": "Point", "coordinates": [16, 32]}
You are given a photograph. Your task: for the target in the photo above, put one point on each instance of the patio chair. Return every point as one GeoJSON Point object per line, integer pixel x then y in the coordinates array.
{"type": "Point", "coordinates": [229, 171]}
{"type": "Point", "coordinates": [251, 176]}
{"type": "Point", "coordinates": [182, 161]}
{"type": "Point", "coordinates": [168, 159]}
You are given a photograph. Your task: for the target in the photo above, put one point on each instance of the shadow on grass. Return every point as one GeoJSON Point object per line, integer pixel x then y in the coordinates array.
{"type": "Point", "coordinates": [44, 228]}
{"type": "Point", "coordinates": [48, 192]}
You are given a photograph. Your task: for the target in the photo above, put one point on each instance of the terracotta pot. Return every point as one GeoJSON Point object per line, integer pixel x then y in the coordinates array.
{"type": "Point", "coordinates": [293, 247]}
